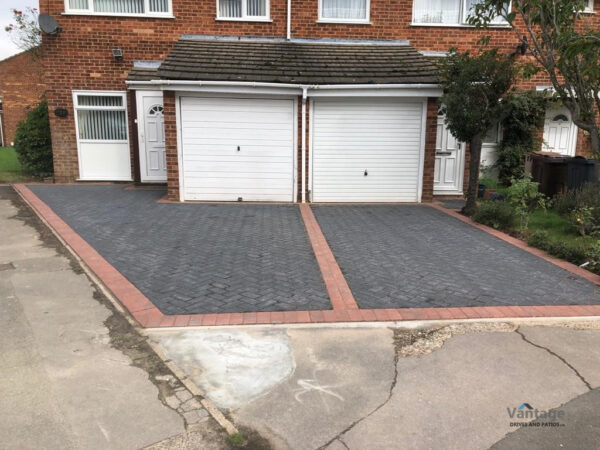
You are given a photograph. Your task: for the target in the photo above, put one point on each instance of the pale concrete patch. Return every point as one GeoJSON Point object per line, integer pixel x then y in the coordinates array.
{"type": "Point", "coordinates": [580, 347]}
{"type": "Point", "coordinates": [456, 397]}
{"type": "Point", "coordinates": [341, 376]}
{"type": "Point", "coordinates": [232, 367]}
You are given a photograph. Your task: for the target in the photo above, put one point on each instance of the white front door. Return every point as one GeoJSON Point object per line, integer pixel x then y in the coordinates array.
{"type": "Point", "coordinates": [560, 133]}
{"type": "Point", "coordinates": [153, 161]}
{"type": "Point", "coordinates": [449, 162]}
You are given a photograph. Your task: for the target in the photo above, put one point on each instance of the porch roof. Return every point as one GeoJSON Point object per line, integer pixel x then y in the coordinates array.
{"type": "Point", "coordinates": [278, 61]}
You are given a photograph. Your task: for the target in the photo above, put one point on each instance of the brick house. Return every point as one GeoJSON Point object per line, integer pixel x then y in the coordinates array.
{"type": "Point", "coordinates": [266, 100]}
{"type": "Point", "coordinates": [21, 88]}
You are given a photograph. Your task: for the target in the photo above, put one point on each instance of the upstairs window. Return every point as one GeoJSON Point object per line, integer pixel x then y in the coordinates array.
{"type": "Point", "coordinates": [589, 7]}
{"type": "Point", "coordinates": [243, 9]}
{"type": "Point", "coordinates": [120, 7]}
{"type": "Point", "coordinates": [344, 10]}
{"type": "Point", "coordinates": [446, 12]}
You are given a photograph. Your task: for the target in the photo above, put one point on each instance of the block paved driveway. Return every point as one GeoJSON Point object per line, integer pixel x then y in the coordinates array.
{"type": "Point", "coordinates": [416, 256]}
{"type": "Point", "coordinates": [228, 258]}
{"type": "Point", "coordinates": [200, 258]}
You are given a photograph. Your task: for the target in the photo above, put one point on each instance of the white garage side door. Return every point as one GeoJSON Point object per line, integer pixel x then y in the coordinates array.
{"type": "Point", "coordinates": [237, 148]}
{"type": "Point", "coordinates": [366, 150]}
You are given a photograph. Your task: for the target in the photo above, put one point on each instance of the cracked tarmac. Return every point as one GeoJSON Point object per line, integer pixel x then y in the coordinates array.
{"type": "Point", "coordinates": [425, 388]}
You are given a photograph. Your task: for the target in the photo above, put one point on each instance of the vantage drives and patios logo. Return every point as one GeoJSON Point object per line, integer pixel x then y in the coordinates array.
{"type": "Point", "coordinates": [528, 416]}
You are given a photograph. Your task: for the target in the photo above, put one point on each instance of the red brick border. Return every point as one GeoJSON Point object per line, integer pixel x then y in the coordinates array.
{"type": "Point", "coordinates": [344, 305]}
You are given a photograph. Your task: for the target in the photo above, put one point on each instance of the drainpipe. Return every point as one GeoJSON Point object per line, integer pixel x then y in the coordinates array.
{"type": "Point", "coordinates": [304, 95]}
{"type": "Point", "coordinates": [289, 20]}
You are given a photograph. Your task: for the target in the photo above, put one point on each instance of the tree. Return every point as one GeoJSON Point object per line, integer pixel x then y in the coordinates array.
{"type": "Point", "coordinates": [32, 141]}
{"type": "Point", "coordinates": [25, 31]}
{"type": "Point", "coordinates": [473, 87]}
{"type": "Point", "coordinates": [553, 33]}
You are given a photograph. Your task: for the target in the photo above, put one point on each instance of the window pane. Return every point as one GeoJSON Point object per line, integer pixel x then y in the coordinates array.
{"type": "Point", "coordinates": [102, 125]}
{"type": "Point", "coordinates": [469, 4]}
{"type": "Point", "coordinates": [159, 6]}
{"type": "Point", "coordinates": [257, 8]}
{"type": "Point", "coordinates": [344, 9]}
{"type": "Point", "coordinates": [78, 4]}
{"type": "Point", "coordinates": [491, 137]}
{"type": "Point", "coordinates": [99, 100]}
{"type": "Point", "coordinates": [230, 8]}
{"type": "Point", "coordinates": [437, 11]}
{"type": "Point", "coordinates": [119, 6]}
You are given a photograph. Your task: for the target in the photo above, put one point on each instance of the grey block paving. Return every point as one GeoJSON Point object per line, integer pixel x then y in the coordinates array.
{"type": "Point", "coordinates": [416, 256]}
{"type": "Point", "coordinates": [201, 258]}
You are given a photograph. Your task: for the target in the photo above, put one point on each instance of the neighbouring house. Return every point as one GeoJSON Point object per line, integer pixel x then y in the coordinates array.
{"type": "Point", "coordinates": [266, 100]}
{"type": "Point", "coordinates": [21, 88]}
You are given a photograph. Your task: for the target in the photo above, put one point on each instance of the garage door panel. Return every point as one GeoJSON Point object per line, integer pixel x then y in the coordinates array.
{"type": "Point", "coordinates": [214, 168]}
{"type": "Point", "coordinates": [236, 168]}
{"type": "Point", "coordinates": [381, 136]}
{"type": "Point", "coordinates": [238, 135]}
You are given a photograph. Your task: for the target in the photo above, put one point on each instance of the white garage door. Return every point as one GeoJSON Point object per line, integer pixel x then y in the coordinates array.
{"type": "Point", "coordinates": [237, 148]}
{"type": "Point", "coordinates": [366, 150]}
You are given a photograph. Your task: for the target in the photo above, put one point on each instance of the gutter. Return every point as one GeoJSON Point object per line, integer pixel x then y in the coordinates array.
{"type": "Point", "coordinates": [282, 85]}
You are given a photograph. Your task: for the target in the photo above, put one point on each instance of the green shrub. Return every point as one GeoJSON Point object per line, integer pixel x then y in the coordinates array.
{"type": "Point", "coordinates": [498, 215]}
{"type": "Point", "coordinates": [524, 196]}
{"type": "Point", "coordinates": [510, 163]}
{"type": "Point", "coordinates": [572, 251]}
{"type": "Point", "coordinates": [540, 239]}
{"type": "Point", "coordinates": [524, 114]}
{"type": "Point", "coordinates": [593, 257]}
{"type": "Point", "coordinates": [586, 196]}
{"type": "Point", "coordinates": [32, 141]}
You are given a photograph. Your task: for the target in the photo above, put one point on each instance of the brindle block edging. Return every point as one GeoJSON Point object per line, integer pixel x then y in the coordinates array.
{"type": "Point", "coordinates": [344, 305]}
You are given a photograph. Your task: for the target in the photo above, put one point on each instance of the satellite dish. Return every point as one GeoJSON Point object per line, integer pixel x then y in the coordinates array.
{"type": "Point", "coordinates": [48, 24]}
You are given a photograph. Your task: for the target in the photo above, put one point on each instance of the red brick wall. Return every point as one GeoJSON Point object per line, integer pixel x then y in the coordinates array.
{"type": "Point", "coordinates": [79, 57]}
{"type": "Point", "coordinates": [433, 105]}
{"type": "Point", "coordinates": [21, 88]}
{"type": "Point", "coordinates": [171, 146]}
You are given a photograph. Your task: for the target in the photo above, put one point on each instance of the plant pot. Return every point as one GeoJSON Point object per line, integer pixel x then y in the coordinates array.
{"type": "Point", "coordinates": [487, 195]}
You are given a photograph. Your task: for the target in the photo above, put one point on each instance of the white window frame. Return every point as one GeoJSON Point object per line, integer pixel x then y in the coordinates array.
{"type": "Point", "coordinates": [77, 107]}
{"type": "Point", "coordinates": [498, 127]}
{"type": "Point", "coordinates": [90, 11]}
{"type": "Point", "coordinates": [245, 17]}
{"type": "Point", "coordinates": [589, 7]}
{"type": "Point", "coordinates": [462, 19]}
{"type": "Point", "coordinates": [366, 20]}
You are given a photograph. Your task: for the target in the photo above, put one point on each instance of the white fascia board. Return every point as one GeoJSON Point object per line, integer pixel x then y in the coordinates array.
{"type": "Point", "coordinates": [334, 90]}
{"type": "Point", "coordinates": [373, 91]}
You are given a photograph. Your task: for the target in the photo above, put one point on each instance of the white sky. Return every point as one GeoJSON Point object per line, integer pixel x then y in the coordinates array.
{"type": "Point", "coordinates": [7, 47]}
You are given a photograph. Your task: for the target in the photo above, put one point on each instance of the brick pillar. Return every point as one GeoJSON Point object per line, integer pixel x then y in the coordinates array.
{"type": "Point", "coordinates": [430, 139]}
{"type": "Point", "coordinates": [171, 146]}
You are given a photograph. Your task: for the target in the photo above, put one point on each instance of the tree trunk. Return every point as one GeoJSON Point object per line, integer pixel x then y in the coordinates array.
{"type": "Point", "coordinates": [474, 162]}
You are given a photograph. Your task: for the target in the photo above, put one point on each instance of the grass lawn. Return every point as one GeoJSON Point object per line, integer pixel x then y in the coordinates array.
{"type": "Point", "coordinates": [11, 170]}
{"type": "Point", "coordinates": [557, 227]}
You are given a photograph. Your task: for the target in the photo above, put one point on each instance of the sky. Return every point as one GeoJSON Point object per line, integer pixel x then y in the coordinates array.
{"type": "Point", "coordinates": [7, 47]}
